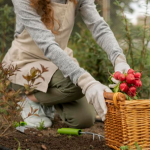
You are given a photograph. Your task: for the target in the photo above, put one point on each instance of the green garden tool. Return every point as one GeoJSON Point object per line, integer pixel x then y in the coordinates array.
{"type": "Point", "coordinates": [71, 131]}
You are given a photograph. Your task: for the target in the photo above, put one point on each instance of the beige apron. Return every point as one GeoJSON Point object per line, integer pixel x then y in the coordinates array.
{"type": "Point", "coordinates": [25, 53]}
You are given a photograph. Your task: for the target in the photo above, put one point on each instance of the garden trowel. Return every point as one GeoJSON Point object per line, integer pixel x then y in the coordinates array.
{"type": "Point", "coordinates": [23, 128]}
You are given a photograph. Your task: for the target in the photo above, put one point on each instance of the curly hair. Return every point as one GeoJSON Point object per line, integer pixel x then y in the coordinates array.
{"type": "Point", "coordinates": [44, 8]}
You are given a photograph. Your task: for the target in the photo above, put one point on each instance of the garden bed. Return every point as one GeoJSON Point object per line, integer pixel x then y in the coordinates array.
{"type": "Point", "coordinates": [49, 139]}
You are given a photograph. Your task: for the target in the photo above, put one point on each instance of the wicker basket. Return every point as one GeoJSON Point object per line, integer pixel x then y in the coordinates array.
{"type": "Point", "coordinates": [127, 122]}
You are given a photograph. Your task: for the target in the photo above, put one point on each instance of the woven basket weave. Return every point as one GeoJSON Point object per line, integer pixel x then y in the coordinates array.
{"type": "Point", "coordinates": [127, 122]}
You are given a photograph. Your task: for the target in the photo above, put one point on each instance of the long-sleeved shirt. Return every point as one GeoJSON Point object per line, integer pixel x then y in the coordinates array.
{"type": "Point", "coordinates": [27, 17]}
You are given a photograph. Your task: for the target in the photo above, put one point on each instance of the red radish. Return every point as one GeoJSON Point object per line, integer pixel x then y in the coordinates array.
{"type": "Point", "coordinates": [137, 75]}
{"type": "Point", "coordinates": [130, 71]}
{"type": "Point", "coordinates": [132, 91]}
{"type": "Point", "coordinates": [138, 83]}
{"type": "Point", "coordinates": [116, 75]}
{"type": "Point", "coordinates": [121, 77]}
{"type": "Point", "coordinates": [124, 87]}
{"type": "Point", "coordinates": [131, 94]}
{"type": "Point", "coordinates": [130, 79]}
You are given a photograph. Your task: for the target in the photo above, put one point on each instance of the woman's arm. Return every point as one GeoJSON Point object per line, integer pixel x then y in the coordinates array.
{"type": "Point", "coordinates": [45, 39]}
{"type": "Point", "coordinates": [100, 30]}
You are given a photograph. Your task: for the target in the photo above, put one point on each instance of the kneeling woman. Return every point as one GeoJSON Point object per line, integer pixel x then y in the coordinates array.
{"type": "Point", "coordinates": [43, 28]}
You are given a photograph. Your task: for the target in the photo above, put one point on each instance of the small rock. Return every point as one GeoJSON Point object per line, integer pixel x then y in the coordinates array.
{"type": "Point", "coordinates": [44, 147]}
{"type": "Point", "coordinates": [91, 147]}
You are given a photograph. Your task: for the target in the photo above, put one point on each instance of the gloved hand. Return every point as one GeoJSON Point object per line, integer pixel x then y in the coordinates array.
{"type": "Point", "coordinates": [121, 66]}
{"type": "Point", "coordinates": [94, 91]}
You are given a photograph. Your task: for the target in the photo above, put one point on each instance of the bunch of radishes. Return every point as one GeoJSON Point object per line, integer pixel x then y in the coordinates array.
{"type": "Point", "coordinates": [129, 82]}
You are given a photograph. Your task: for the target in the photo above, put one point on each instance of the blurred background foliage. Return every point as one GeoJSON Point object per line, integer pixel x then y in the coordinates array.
{"type": "Point", "coordinates": [134, 40]}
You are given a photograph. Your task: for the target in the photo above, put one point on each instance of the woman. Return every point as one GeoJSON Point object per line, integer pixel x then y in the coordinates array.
{"type": "Point", "coordinates": [43, 28]}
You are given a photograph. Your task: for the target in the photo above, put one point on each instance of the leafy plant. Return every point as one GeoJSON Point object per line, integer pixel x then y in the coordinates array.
{"type": "Point", "coordinates": [19, 145]}
{"type": "Point", "coordinates": [135, 44]}
{"type": "Point", "coordinates": [32, 77]}
{"type": "Point", "coordinates": [9, 108]}
{"type": "Point", "coordinates": [21, 123]}
{"type": "Point", "coordinates": [124, 148]}
{"type": "Point", "coordinates": [41, 125]}
{"type": "Point", "coordinates": [7, 24]}
{"type": "Point", "coordinates": [131, 147]}
{"type": "Point", "coordinates": [19, 148]}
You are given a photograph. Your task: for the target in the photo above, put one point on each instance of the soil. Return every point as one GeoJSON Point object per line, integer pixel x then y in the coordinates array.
{"type": "Point", "coordinates": [48, 139]}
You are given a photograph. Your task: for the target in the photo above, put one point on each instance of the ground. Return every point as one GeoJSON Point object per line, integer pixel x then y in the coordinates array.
{"type": "Point", "coordinates": [49, 139]}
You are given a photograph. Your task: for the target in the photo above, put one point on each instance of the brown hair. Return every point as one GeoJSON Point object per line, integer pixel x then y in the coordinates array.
{"type": "Point", "coordinates": [47, 15]}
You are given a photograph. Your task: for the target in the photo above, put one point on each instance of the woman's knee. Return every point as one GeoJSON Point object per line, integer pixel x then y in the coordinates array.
{"type": "Point", "coordinates": [71, 91]}
{"type": "Point", "coordinates": [84, 121]}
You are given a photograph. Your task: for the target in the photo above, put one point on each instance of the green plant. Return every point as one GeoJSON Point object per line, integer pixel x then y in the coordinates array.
{"type": "Point", "coordinates": [19, 148]}
{"type": "Point", "coordinates": [124, 148]}
{"type": "Point", "coordinates": [7, 24]}
{"type": "Point", "coordinates": [131, 147]}
{"type": "Point", "coordinates": [41, 126]}
{"type": "Point", "coordinates": [21, 123]}
{"type": "Point", "coordinates": [135, 41]}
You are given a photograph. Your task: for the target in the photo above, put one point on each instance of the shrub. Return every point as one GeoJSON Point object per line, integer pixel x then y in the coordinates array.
{"type": "Point", "coordinates": [9, 108]}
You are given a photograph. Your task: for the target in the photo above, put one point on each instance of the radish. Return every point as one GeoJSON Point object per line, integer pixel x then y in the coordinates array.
{"type": "Point", "coordinates": [138, 83]}
{"type": "Point", "coordinates": [132, 91]}
{"type": "Point", "coordinates": [116, 75]}
{"type": "Point", "coordinates": [121, 77]}
{"type": "Point", "coordinates": [130, 71]}
{"type": "Point", "coordinates": [130, 79]}
{"type": "Point", "coordinates": [124, 87]}
{"type": "Point", "coordinates": [137, 75]}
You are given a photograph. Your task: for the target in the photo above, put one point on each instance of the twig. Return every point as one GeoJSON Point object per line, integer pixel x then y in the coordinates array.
{"type": "Point", "coordinates": [143, 52]}
{"type": "Point", "coordinates": [1, 127]}
{"type": "Point", "coordinates": [5, 119]}
{"type": "Point", "coordinates": [10, 133]}
{"type": "Point", "coordinates": [3, 48]}
{"type": "Point", "coordinates": [5, 130]}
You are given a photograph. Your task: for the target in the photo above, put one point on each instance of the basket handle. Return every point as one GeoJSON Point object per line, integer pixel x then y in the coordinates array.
{"type": "Point", "coordinates": [111, 96]}
{"type": "Point", "coordinates": [114, 97]}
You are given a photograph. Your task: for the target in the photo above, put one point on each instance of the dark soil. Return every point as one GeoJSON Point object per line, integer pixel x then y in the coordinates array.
{"type": "Point", "coordinates": [49, 139]}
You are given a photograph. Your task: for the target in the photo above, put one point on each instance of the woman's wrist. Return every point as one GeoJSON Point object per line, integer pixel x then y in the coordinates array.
{"type": "Point", "coordinates": [120, 59]}
{"type": "Point", "coordinates": [85, 81]}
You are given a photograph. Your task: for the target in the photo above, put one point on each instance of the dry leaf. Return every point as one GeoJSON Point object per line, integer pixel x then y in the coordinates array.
{"type": "Point", "coordinates": [31, 110]}
{"type": "Point", "coordinates": [35, 110]}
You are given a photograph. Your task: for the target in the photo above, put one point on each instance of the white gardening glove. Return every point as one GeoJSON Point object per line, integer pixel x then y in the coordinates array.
{"type": "Point", "coordinates": [121, 66]}
{"type": "Point", "coordinates": [94, 91]}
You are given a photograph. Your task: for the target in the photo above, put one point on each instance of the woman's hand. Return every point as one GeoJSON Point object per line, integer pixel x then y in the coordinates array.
{"type": "Point", "coordinates": [94, 95]}
{"type": "Point", "coordinates": [94, 91]}
{"type": "Point", "coordinates": [121, 66]}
